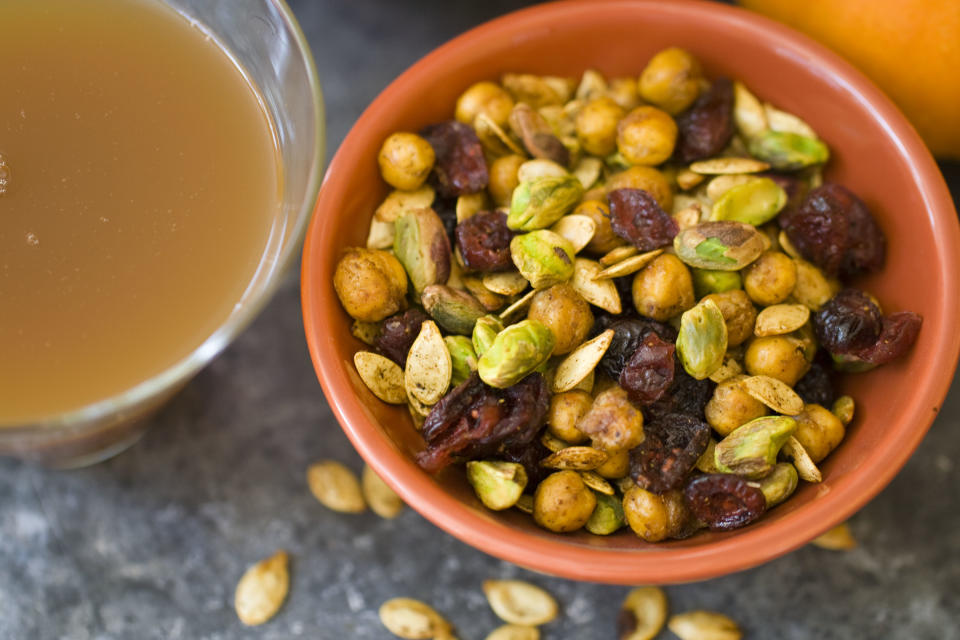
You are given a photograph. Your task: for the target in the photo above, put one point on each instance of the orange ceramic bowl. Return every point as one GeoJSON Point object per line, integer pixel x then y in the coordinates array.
{"type": "Point", "coordinates": [875, 153]}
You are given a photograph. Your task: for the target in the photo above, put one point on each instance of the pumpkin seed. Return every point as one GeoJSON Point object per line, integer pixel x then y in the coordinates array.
{"type": "Point", "coordinates": [539, 168]}
{"type": "Point", "coordinates": [518, 307]}
{"type": "Point", "coordinates": [469, 204]}
{"type": "Point", "coordinates": [748, 113]}
{"type": "Point", "coordinates": [525, 503]}
{"type": "Point", "coordinates": [383, 500]}
{"type": "Point", "coordinates": [588, 171]}
{"type": "Point", "coordinates": [491, 301]}
{"type": "Point", "coordinates": [577, 229]}
{"type": "Point", "coordinates": [592, 85]}
{"type": "Point", "coordinates": [812, 289]}
{"type": "Point", "coordinates": [584, 385]}
{"type": "Point", "coordinates": [382, 376]}
{"type": "Point", "coordinates": [399, 202]}
{"type": "Point", "coordinates": [843, 408]}
{"type": "Point", "coordinates": [597, 482]}
{"type": "Point", "coordinates": [262, 589]}
{"type": "Point", "coordinates": [687, 179]}
{"type": "Point", "coordinates": [520, 602]}
{"type": "Point", "coordinates": [645, 611]}
{"type": "Point", "coordinates": [599, 293]}
{"type": "Point", "coordinates": [335, 486]}
{"type": "Point", "coordinates": [715, 166]}
{"type": "Point", "coordinates": [628, 266]}
{"type": "Point", "coordinates": [507, 283]}
{"type": "Point", "coordinates": [581, 361]}
{"type": "Point", "coordinates": [779, 319]}
{"type": "Point", "coordinates": [704, 625]}
{"type": "Point", "coordinates": [493, 138]}
{"type": "Point", "coordinates": [381, 235]}
{"type": "Point", "coordinates": [416, 417]}
{"type": "Point", "coordinates": [729, 369]}
{"type": "Point", "coordinates": [837, 539]}
{"type": "Point", "coordinates": [552, 443]}
{"type": "Point", "coordinates": [780, 120]}
{"type": "Point", "coordinates": [616, 255]}
{"type": "Point", "coordinates": [723, 183]}
{"type": "Point", "coordinates": [576, 458]}
{"type": "Point", "coordinates": [429, 367]}
{"type": "Point", "coordinates": [365, 332]}
{"type": "Point", "coordinates": [774, 393]}
{"type": "Point", "coordinates": [412, 619]}
{"type": "Point", "coordinates": [417, 407]}
{"type": "Point", "coordinates": [784, 241]}
{"type": "Point", "coordinates": [514, 632]}
{"type": "Point", "coordinates": [455, 281]}
{"type": "Point", "coordinates": [806, 467]}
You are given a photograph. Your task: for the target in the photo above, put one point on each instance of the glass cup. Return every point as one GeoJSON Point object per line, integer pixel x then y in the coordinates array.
{"type": "Point", "coordinates": [264, 39]}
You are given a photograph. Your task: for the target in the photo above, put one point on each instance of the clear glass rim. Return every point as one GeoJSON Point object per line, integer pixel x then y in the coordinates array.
{"type": "Point", "coordinates": [182, 370]}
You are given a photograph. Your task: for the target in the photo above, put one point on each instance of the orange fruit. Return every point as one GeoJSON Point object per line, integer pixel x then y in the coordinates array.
{"type": "Point", "coordinates": [911, 49]}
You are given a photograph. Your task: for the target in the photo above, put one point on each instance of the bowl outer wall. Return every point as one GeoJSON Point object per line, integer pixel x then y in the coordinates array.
{"type": "Point", "coordinates": [902, 185]}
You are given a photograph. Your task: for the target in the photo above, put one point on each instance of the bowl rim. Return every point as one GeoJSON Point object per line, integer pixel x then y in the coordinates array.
{"type": "Point", "coordinates": [748, 548]}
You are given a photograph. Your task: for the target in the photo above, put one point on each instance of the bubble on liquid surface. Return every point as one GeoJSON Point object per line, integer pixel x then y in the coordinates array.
{"type": "Point", "coordinates": [32, 239]}
{"type": "Point", "coordinates": [4, 175]}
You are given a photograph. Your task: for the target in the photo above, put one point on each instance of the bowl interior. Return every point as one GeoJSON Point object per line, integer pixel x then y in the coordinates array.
{"type": "Point", "coordinates": [874, 153]}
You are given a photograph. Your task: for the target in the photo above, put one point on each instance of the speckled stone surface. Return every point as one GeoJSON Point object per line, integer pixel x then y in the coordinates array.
{"type": "Point", "coordinates": [150, 545]}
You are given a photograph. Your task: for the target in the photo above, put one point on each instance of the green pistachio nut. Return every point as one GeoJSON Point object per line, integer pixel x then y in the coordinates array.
{"type": "Point", "coordinates": [722, 245]}
{"type": "Point", "coordinates": [420, 244]}
{"type": "Point", "coordinates": [755, 202]}
{"type": "Point", "coordinates": [607, 516]}
{"type": "Point", "coordinates": [779, 484]}
{"type": "Point", "coordinates": [787, 151]}
{"type": "Point", "coordinates": [850, 363]}
{"type": "Point", "coordinates": [462, 357]}
{"type": "Point", "coordinates": [751, 449]}
{"type": "Point", "coordinates": [516, 351]}
{"type": "Point", "coordinates": [498, 484]}
{"type": "Point", "coordinates": [538, 203]}
{"type": "Point", "coordinates": [707, 281]}
{"type": "Point", "coordinates": [702, 339]}
{"type": "Point", "coordinates": [454, 310]}
{"type": "Point", "coordinates": [484, 333]}
{"type": "Point", "coordinates": [543, 257]}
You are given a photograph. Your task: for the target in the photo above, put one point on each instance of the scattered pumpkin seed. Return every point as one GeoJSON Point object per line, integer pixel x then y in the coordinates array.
{"type": "Point", "coordinates": [597, 482]}
{"type": "Point", "coordinates": [520, 602]}
{"type": "Point", "coordinates": [779, 319]}
{"type": "Point", "coordinates": [518, 307]}
{"type": "Point", "coordinates": [365, 332]}
{"type": "Point", "coordinates": [592, 85]}
{"type": "Point", "coordinates": [704, 625]}
{"type": "Point", "coordinates": [552, 443]}
{"type": "Point", "coordinates": [381, 234]}
{"type": "Point", "coordinates": [335, 486]}
{"type": "Point", "coordinates": [687, 179]}
{"type": "Point", "coordinates": [576, 229]}
{"type": "Point", "coordinates": [416, 418]}
{"type": "Point", "coordinates": [616, 255]}
{"type": "Point", "coordinates": [729, 369]}
{"type": "Point", "coordinates": [774, 393]}
{"type": "Point", "coordinates": [629, 265]}
{"type": "Point", "coordinates": [525, 503]}
{"type": "Point", "coordinates": [494, 138]}
{"type": "Point", "coordinates": [806, 467]}
{"type": "Point", "coordinates": [539, 168]}
{"type": "Point", "coordinates": [419, 408]}
{"type": "Point", "coordinates": [262, 589]}
{"type": "Point", "coordinates": [507, 283]}
{"type": "Point", "coordinates": [383, 376]}
{"type": "Point", "coordinates": [748, 113]}
{"type": "Point", "coordinates": [844, 408]}
{"type": "Point", "coordinates": [788, 248]}
{"type": "Point", "coordinates": [491, 301]}
{"type": "Point", "coordinates": [644, 611]}
{"type": "Point", "coordinates": [399, 202]}
{"type": "Point", "coordinates": [588, 171]}
{"type": "Point", "coordinates": [581, 362]}
{"type": "Point", "coordinates": [383, 500]}
{"type": "Point", "coordinates": [413, 619]}
{"type": "Point", "coordinates": [716, 166]}
{"type": "Point", "coordinates": [577, 458]}
{"type": "Point", "coordinates": [599, 293]}
{"type": "Point", "coordinates": [469, 204]}
{"type": "Point", "coordinates": [812, 289]}
{"type": "Point", "coordinates": [429, 368]}
{"type": "Point", "coordinates": [837, 539]}
{"type": "Point", "coordinates": [514, 632]}
{"type": "Point", "coordinates": [780, 120]}
{"type": "Point", "coordinates": [584, 385]}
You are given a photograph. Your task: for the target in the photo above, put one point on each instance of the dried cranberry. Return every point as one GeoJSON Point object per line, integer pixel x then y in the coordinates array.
{"type": "Point", "coordinates": [848, 323]}
{"type": "Point", "coordinates": [834, 230]}
{"type": "Point", "coordinates": [705, 128]}
{"type": "Point", "coordinates": [460, 167]}
{"type": "Point", "coordinates": [628, 333]}
{"type": "Point", "coordinates": [724, 501]}
{"type": "Point", "coordinates": [671, 447]}
{"type": "Point", "coordinates": [529, 455]}
{"type": "Point", "coordinates": [484, 241]}
{"type": "Point", "coordinates": [397, 334]}
{"type": "Point", "coordinates": [686, 395]}
{"type": "Point", "coordinates": [476, 420]}
{"type": "Point", "coordinates": [649, 372]}
{"type": "Point", "coordinates": [897, 335]}
{"type": "Point", "coordinates": [446, 210]}
{"type": "Point", "coordinates": [636, 217]}
{"type": "Point", "coordinates": [816, 386]}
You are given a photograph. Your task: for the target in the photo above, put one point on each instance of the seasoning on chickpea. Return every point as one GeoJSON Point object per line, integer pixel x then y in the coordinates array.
{"type": "Point", "coordinates": [646, 136]}
{"type": "Point", "coordinates": [738, 312]}
{"type": "Point", "coordinates": [562, 310]}
{"type": "Point", "coordinates": [649, 179]}
{"type": "Point", "coordinates": [770, 279]}
{"type": "Point", "coordinates": [371, 284]}
{"type": "Point", "coordinates": [566, 409]}
{"type": "Point", "coordinates": [780, 357]}
{"type": "Point", "coordinates": [671, 80]}
{"type": "Point", "coordinates": [646, 514]}
{"type": "Point", "coordinates": [596, 125]}
{"type": "Point", "coordinates": [405, 160]}
{"type": "Point", "coordinates": [604, 239]}
{"type": "Point", "coordinates": [731, 406]}
{"type": "Point", "coordinates": [563, 502]}
{"type": "Point", "coordinates": [819, 431]}
{"type": "Point", "coordinates": [504, 178]}
{"type": "Point", "coordinates": [663, 289]}
{"type": "Point", "coordinates": [487, 98]}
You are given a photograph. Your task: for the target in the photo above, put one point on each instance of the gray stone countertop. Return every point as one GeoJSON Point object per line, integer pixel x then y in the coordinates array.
{"type": "Point", "coordinates": [150, 544]}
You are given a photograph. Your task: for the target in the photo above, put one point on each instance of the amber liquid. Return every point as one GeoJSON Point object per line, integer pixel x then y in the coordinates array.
{"type": "Point", "coordinates": [143, 183]}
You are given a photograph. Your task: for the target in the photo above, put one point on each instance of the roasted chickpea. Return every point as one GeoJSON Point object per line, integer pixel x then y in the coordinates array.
{"type": "Point", "coordinates": [679, 519]}
{"type": "Point", "coordinates": [613, 423]}
{"type": "Point", "coordinates": [663, 288]}
{"type": "Point", "coordinates": [671, 80]}
{"type": "Point", "coordinates": [624, 92]}
{"type": "Point", "coordinates": [604, 239]}
{"type": "Point", "coordinates": [646, 136]}
{"type": "Point", "coordinates": [780, 357]}
{"type": "Point", "coordinates": [738, 312]}
{"type": "Point", "coordinates": [819, 431]}
{"type": "Point", "coordinates": [646, 514]}
{"type": "Point", "coordinates": [562, 310]}
{"type": "Point", "coordinates": [617, 465]}
{"type": "Point", "coordinates": [562, 502]}
{"type": "Point", "coordinates": [566, 409]}
{"type": "Point", "coordinates": [487, 98]}
{"type": "Point", "coordinates": [647, 178]}
{"type": "Point", "coordinates": [370, 283]}
{"type": "Point", "coordinates": [503, 178]}
{"type": "Point", "coordinates": [812, 289]}
{"type": "Point", "coordinates": [731, 407]}
{"type": "Point", "coordinates": [597, 126]}
{"type": "Point", "coordinates": [405, 160]}
{"type": "Point", "coordinates": [770, 279]}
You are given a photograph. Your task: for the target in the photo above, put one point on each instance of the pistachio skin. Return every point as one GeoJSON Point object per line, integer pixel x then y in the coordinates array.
{"type": "Point", "coordinates": [516, 351]}
{"type": "Point", "coordinates": [702, 340]}
{"type": "Point", "coordinates": [370, 283]}
{"type": "Point", "coordinates": [454, 310]}
{"type": "Point", "coordinates": [421, 245]}
{"type": "Point", "coordinates": [462, 357]}
{"type": "Point", "coordinates": [498, 484]}
{"type": "Point", "coordinates": [607, 516]}
{"type": "Point", "coordinates": [485, 330]}
{"type": "Point", "coordinates": [538, 203]}
{"type": "Point", "coordinates": [779, 484]}
{"type": "Point", "coordinates": [788, 151]}
{"type": "Point", "coordinates": [751, 449]}
{"type": "Point", "coordinates": [543, 257]}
